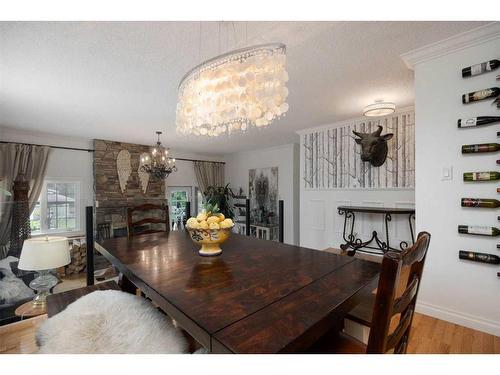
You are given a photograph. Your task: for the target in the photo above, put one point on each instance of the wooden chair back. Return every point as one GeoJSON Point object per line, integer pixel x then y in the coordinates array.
{"type": "Point", "coordinates": [388, 306]}
{"type": "Point", "coordinates": [148, 220]}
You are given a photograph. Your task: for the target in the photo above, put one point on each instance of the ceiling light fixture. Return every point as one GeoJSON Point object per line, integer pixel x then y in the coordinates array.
{"type": "Point", "coordinates": [234, 91]}
{"type": "Point", "coordinates": [158, 164]}
{"type": "Point", "coordinates": [379, 108]}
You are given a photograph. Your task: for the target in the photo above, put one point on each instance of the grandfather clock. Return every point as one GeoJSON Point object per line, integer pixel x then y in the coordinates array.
{"type": "Point", "coordinates": [20, 229]}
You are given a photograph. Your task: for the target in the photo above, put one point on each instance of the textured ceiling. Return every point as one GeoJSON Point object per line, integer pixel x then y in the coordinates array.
{"type": "Point", "coordinates": [118, 80]}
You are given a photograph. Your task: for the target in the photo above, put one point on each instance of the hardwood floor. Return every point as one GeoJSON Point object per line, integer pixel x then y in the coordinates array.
{"type": "Point", "coordinates": [19, 337]}
{"type": "Point", "coordinates": [434, 336]}
{"type": "Point", "coordinates": [429, 336]}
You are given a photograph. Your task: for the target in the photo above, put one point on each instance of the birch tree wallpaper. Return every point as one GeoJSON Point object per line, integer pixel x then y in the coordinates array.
{"type": "Point", "coordinates": [332, 157]}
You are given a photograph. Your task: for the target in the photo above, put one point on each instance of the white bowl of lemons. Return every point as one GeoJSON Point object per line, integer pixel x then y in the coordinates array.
{"type": "Point", "coordinates": [209, 229]}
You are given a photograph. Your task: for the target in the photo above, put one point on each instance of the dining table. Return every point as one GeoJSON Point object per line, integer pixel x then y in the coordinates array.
{"type": "Point", "coordinates": [258, 296]}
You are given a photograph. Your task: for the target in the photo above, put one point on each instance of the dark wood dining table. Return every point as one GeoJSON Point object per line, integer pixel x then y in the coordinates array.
{"type": "Point", "coordinates": [256, 297]}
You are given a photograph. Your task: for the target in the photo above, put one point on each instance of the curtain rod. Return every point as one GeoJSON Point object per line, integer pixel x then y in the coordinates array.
{"type": "Point", "coordinates": [203, 161]}
{"type": "Point", "coordinates": [90, 150]}
{"type": "Point", "coordinates": [60, 147]}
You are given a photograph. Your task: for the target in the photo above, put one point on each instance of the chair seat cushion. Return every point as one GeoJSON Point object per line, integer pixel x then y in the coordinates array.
{"type": "Point", "coordinates": [338, 343]}
{"type": "Point", "coordinates": [110, 322]}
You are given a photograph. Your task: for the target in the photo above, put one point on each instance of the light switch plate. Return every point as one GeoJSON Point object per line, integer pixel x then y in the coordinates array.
{"type": "Point", "coordinates": [447, 173]}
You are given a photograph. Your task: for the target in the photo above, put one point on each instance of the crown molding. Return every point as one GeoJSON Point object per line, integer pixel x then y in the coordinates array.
{"type": "Point", "coordinates": [455, 43]}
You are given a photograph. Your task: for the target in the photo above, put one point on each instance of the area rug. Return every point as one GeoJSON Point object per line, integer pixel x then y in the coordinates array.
{"type": "Point", "coordinates": [110, 322]}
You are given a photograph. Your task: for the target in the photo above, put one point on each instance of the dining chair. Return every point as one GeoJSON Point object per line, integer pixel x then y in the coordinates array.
{"type": "Point", "coordinates": [393, 312]}
{"type": "Point", "coordinates": [132, 225]}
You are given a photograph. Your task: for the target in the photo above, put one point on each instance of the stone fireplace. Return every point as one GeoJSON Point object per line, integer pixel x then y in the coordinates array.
{"type": "Point", "coordinates": [111, 202]}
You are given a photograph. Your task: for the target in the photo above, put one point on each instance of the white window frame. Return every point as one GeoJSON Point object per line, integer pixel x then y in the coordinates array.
{"type": "Point", "coordinates": [43, 208]}
{"type": "Point", "coordinates": [196, 189]}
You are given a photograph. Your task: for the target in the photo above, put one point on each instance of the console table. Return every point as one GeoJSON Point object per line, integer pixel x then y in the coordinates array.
{"type": "Point", "coordinates": [353, 244]}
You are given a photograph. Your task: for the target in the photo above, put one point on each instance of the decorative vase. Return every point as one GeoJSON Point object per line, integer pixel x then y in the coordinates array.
{"type": "Point", "coordinates": [210, 240]}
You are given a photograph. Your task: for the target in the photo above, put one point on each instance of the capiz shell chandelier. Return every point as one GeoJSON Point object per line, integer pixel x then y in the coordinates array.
{"type": "Point", "coordinates": [234, 91]}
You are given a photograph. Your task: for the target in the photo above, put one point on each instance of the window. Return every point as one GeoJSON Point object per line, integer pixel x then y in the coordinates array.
{"type": "Point", "coordinates": [178, 196]}
{"type": "Point", "coordinates": [57, 209]}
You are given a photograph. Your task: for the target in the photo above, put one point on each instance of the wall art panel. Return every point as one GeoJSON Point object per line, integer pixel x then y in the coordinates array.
{"type": "Point", "coordinates": [331, 158]}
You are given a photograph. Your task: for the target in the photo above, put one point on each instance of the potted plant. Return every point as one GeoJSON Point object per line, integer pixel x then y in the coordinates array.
{"type": "Point", "coordinates": [222, 196]}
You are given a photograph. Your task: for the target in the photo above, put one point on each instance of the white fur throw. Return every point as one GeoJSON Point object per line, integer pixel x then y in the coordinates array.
{"type": "Point", "coordinates": [110, 322]}
{"type": "Point", "coordinates": [12, 289]}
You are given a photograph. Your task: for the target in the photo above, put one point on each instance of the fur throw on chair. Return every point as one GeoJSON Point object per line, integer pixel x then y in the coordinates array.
{"type": "Point", "coordinates": [110, 322]}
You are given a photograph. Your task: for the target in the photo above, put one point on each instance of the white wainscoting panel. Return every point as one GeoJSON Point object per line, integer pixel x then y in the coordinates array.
{"type": "Point", "coordinates": [402, 232]}
{"type": "Point", "coordinates": [317, 214]}
{"type": "Point", "coordinates": [321, 226]}
{"type": "Point", "coordinates": [370, 222]}
{"type": "Point", "coordinates": [338, 220]}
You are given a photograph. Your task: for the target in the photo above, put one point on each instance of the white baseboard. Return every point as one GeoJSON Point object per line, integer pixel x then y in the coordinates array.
{"type": "Point", "coordinates": [462, 319]}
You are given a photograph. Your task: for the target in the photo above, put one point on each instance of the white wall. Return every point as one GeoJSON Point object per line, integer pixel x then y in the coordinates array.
{"type": "Point", "coordinates": [185, 175]}
{"type": "Point", "coordinates": [460, 291]}
{"type": "Point", "coordinates": [321, 226]}
{"type": "Point", "coordinates": [285, 158]}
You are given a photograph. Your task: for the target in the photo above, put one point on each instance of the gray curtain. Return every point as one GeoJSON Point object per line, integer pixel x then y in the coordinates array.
{"type": "Point", "coordinates": [31, 161]}
{"type": "Point", "coordinates": [208, 174]}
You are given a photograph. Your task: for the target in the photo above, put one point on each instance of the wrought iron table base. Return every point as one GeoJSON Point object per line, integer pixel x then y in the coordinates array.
{"type": "Point", "coordinates": [353, 244]}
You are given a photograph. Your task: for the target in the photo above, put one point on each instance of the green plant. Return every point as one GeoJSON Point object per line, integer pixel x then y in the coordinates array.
{"type": "Point", "coordinates": [222, 198]}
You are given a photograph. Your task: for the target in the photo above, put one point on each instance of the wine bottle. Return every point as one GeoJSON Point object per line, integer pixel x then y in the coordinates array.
{"type": "Point", "coordinates": [475, 96]}
{"type": "Point", "coordinates": [481, 68]}
{"type": "Point", "coordinates": [477, 121]}
{"type": "Point", "coordinates": [482, 147]}
{"type": "Point", "coordinates": [479, 257]}
{"type": "Point", "coordinates": [480, 202]}
{"type": "Point", "coordinates": [478, 230]}
{"type": "Point", "coordinates": [482, 176]}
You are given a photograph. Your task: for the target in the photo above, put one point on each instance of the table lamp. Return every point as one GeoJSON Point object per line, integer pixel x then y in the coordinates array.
{"type": "Point", "coordinates": [43, 254]}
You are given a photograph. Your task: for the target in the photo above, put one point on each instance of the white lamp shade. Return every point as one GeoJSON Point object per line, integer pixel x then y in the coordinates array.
{"type": "Point", "coordinates": [44, 253]}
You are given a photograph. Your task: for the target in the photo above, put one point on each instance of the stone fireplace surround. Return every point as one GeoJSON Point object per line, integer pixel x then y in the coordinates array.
{"type": "Point", "coordinates": [111, 203]}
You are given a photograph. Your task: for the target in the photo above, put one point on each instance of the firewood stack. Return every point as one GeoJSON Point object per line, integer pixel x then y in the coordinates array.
{"type": "Point", "coordinates": [78, 251]}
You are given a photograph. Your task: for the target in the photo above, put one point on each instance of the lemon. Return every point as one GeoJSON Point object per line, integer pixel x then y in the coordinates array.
{"type": "Point", "coordinates": [195, 225]}
{"type": "Point", "coordinates": [221, 217]}
{"type": "Point", "coordinates": [212, 219]}
{"type": "Point", "coordinates": [203, 224]}
{"type": "Point", "coordinates": [214, 226]}
{"type": "Point", "coordinates": [227, 223]}
{"type": "Point", "coordinates": [192, 222]}
{"type": "Point", "coordinates": [201, 216]}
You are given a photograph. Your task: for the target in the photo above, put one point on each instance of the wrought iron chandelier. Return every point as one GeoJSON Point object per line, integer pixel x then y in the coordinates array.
{"type": "Point", "coordinates": [158, 164]}
{"type": "Point", "coordinates": [234, 91]}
